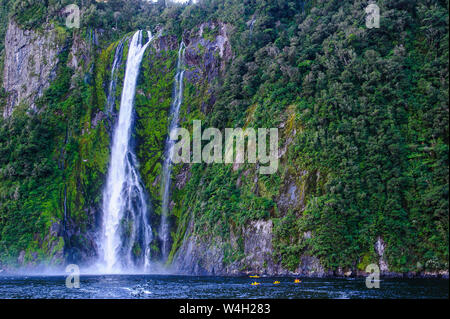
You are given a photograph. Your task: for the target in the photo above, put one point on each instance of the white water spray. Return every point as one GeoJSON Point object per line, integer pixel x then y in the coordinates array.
{"type": "Point", "coordinates": [126, 232]}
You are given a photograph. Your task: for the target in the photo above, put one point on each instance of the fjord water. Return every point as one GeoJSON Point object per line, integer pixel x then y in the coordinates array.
{"type": "Point", "coordinates": [125, 225]}
{"type": "Point", "coordinates": [169, 148]}
{"type": "Point", "coordinates": [165, 286]}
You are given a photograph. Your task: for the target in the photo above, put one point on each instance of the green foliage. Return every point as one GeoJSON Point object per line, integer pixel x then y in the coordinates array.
{"type": "Point", "coordinates": [34, 13]}
{"type": "Point", "coordinates": [153, 100]}
{"type": "Point", "coordinates": [49, 158]}
{"type": "Point", "coordinates": [287, 242]}
{"type": "Point", "coordinates": [364, 107]}
{"type": "Point", "coordinates": [373, 107]}
{"type": "Point", "coordinates": [25, 171]}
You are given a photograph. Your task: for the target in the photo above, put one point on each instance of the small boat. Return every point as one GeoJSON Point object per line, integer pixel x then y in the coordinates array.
{"type": "Point", "coordinates": [297, 281]}
{"type": "Point", "coordinates": [255, 283]}
{"type": "Point", "coordinates": [276, 282]}
{"type": "Point", "coordinates": [255, 276]}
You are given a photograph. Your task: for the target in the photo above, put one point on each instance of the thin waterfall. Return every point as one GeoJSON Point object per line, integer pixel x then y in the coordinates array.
{"type": "Point", "coordinates": [252, 25]}
{"type": "Point", "coordinates": [167, 167]}
{"type": "Point", "coordinates": [111, 100]}
{"type": "Point", "coordinates": [126, 233]}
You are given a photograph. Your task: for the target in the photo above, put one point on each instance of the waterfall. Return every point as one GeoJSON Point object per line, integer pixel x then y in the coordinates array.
{"type": "Point", "coordinates": [167, 167]}
{"type": "Point", "coordinates": [252, 25]}
{"type": "Point", "coordinates": [126, 232]}
{"type": "Point", "coordinates": [112, 83]}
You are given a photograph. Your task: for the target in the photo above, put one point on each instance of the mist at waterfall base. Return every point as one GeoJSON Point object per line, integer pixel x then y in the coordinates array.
{"type": "Point", "coordinates": [191, 287]}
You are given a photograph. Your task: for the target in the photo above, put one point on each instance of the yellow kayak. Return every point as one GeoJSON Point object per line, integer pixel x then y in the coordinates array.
{"type": "Point", "coordinates": [255, 276]}
{"type": "Point", "coordinates": [255, 283]}
{"type": "Point", "coordinates": [297, 281]}
{"type": "Point", "coordinates": [276, 282]}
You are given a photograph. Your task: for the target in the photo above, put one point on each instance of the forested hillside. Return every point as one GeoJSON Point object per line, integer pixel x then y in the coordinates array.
{"type": "Point", "coordinates": [362, 116]}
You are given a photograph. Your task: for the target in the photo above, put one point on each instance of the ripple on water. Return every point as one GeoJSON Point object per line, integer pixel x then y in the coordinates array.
{"type": "Point", "coordinates": [153, 286]}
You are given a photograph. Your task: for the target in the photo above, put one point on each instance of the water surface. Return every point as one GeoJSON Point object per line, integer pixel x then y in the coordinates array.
{"type": "Point", "coordinates": [170, 286]}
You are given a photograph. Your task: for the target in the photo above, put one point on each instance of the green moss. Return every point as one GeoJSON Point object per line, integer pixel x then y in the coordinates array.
{"type": "Point", "coordinates": [152, 104]}
{"type": "Point", "coordinates": [366, 260]}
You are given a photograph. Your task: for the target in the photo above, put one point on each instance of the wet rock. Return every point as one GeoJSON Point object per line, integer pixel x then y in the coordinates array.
{"type": "Point", "coordinates": [310, 266]}
{"type": "Point", "coordinates": [258, 246]}
{"type": "Point", "coordinates": [206, 257]}
{"type": "Point", "coordinates": [292, 193]}
{"type": "Point", "coordinates": [80, 244]}
{"type": "Point", "coordinates": [183, 177]}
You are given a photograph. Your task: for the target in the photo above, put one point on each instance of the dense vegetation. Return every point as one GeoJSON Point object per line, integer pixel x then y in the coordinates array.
{"type": "Point", "coordinates": [372, 106]}
{"type": "Point", "coordinates": [363, 114]}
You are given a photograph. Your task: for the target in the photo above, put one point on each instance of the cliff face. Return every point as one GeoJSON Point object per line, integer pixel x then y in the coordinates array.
{"type": "Point", "coordinates": [31, 58]}
{"type": "Point", "coordinates": [200, 257]}
{"type": "Point", "coordinates": [208, 52]}
{"type": "Point", "coordinates": [36, 61]}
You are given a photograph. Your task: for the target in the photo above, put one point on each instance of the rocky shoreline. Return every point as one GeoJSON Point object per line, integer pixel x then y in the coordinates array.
{"type": "Point", "coordinates": [444, 274]}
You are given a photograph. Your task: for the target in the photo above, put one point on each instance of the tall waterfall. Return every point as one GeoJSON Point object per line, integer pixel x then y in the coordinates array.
{"type": "Point", "coordinates": [126, 232]}
{"type": "Point", "coordinates": [167, 167]}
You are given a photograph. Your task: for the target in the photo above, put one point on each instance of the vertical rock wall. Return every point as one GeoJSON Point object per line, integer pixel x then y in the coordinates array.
{"type": "Point", "coordinates": [31, 58]}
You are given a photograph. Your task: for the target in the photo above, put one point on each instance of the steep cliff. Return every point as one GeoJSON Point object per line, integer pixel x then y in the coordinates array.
{"type": "Point", "coordinates": [53, 165]}
{"type": "Point", "coordinates": [30, 63]}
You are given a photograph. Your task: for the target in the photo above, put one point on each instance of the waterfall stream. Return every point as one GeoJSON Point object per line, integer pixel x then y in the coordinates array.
{"type": "Point", "coordinates": [126, 233]}
{"type": "Point", "coordinates": [167, 166]}
{"type": "Point", "coordinates": [113, 82]}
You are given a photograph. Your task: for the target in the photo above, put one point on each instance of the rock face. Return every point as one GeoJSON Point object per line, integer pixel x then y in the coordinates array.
{"type": "Point", "coordinates": [164, 43]}
{"type": "Point", "coordinates": [81, 246]}
{"type": "Point", "coordinates": [199, 257]}
{"type": "Point", "coordinates": [80, 54]}
{"type": "Point", "coordinates": [30, 63]}
{"type": "Point", "coordinates": [208, 51]}
{"type": "Point", "coordinates": [258, 246]}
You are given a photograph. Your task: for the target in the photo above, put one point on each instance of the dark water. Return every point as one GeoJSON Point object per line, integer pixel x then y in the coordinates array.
{"type": "Point", "coordinates": [164, 286]}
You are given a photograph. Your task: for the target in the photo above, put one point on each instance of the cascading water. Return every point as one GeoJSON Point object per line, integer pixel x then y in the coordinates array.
{"type": "Point", "coordinates": [167, 167]}
{"type": "Point", "coordinates": [112, 84]}
{"type": "Point", "coordinates": [126, 232]}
